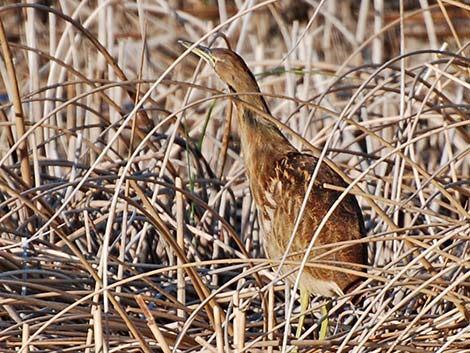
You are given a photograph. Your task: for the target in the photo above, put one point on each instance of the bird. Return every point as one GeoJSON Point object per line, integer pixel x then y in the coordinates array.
{"type": "Point", "coordinates": [278, 176]}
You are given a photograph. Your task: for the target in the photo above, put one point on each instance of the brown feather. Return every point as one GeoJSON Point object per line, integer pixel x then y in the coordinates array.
{"type": "Point", "coordinates": [285, 188]}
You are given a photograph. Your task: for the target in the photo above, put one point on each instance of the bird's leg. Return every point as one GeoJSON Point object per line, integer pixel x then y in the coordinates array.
{"type": "Point", "coordinates": [325, 320]}
{"type": "Point", "coordinates": [304, 301]}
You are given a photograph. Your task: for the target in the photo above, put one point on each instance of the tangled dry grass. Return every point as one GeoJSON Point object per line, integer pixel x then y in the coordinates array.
{"type": "Point", "coordinates": [125, 216]}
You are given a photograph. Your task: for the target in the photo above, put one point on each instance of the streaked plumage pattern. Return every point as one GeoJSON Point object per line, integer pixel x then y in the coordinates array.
{"type": "Point", "coordinates": [279, 206]}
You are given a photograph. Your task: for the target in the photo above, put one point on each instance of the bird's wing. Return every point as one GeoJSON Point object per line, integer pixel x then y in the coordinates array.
{"type": "Point", "coordinates": [291, 177]}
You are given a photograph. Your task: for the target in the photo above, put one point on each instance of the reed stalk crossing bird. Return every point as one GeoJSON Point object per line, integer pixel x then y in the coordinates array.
{"type": "Point", "coordinates": [278, 176]}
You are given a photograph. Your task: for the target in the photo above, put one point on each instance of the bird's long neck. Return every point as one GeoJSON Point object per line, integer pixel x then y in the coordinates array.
{"type": "Point", "coordinates": [262, 142]}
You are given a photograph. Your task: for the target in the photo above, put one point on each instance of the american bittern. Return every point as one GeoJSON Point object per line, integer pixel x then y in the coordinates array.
{"type": "Point", "coordinates": [279, 175]}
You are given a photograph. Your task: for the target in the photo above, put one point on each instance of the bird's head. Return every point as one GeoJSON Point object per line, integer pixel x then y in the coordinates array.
{"type": "Point", "coordinates": [229, 66]}
{"type": "Point", "coordinates": [231, 69]}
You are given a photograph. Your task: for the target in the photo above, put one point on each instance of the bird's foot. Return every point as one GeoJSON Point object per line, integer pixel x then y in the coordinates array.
{"type": "Point", "coordinates": [325, 321]}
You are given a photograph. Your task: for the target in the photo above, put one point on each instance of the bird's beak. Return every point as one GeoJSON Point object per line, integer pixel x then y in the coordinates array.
{"type": "Point", "coordinates": [201, 51]}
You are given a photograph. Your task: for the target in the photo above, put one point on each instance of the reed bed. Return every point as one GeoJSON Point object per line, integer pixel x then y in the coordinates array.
{"type": "Point", "coordinates": [125, 215]}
